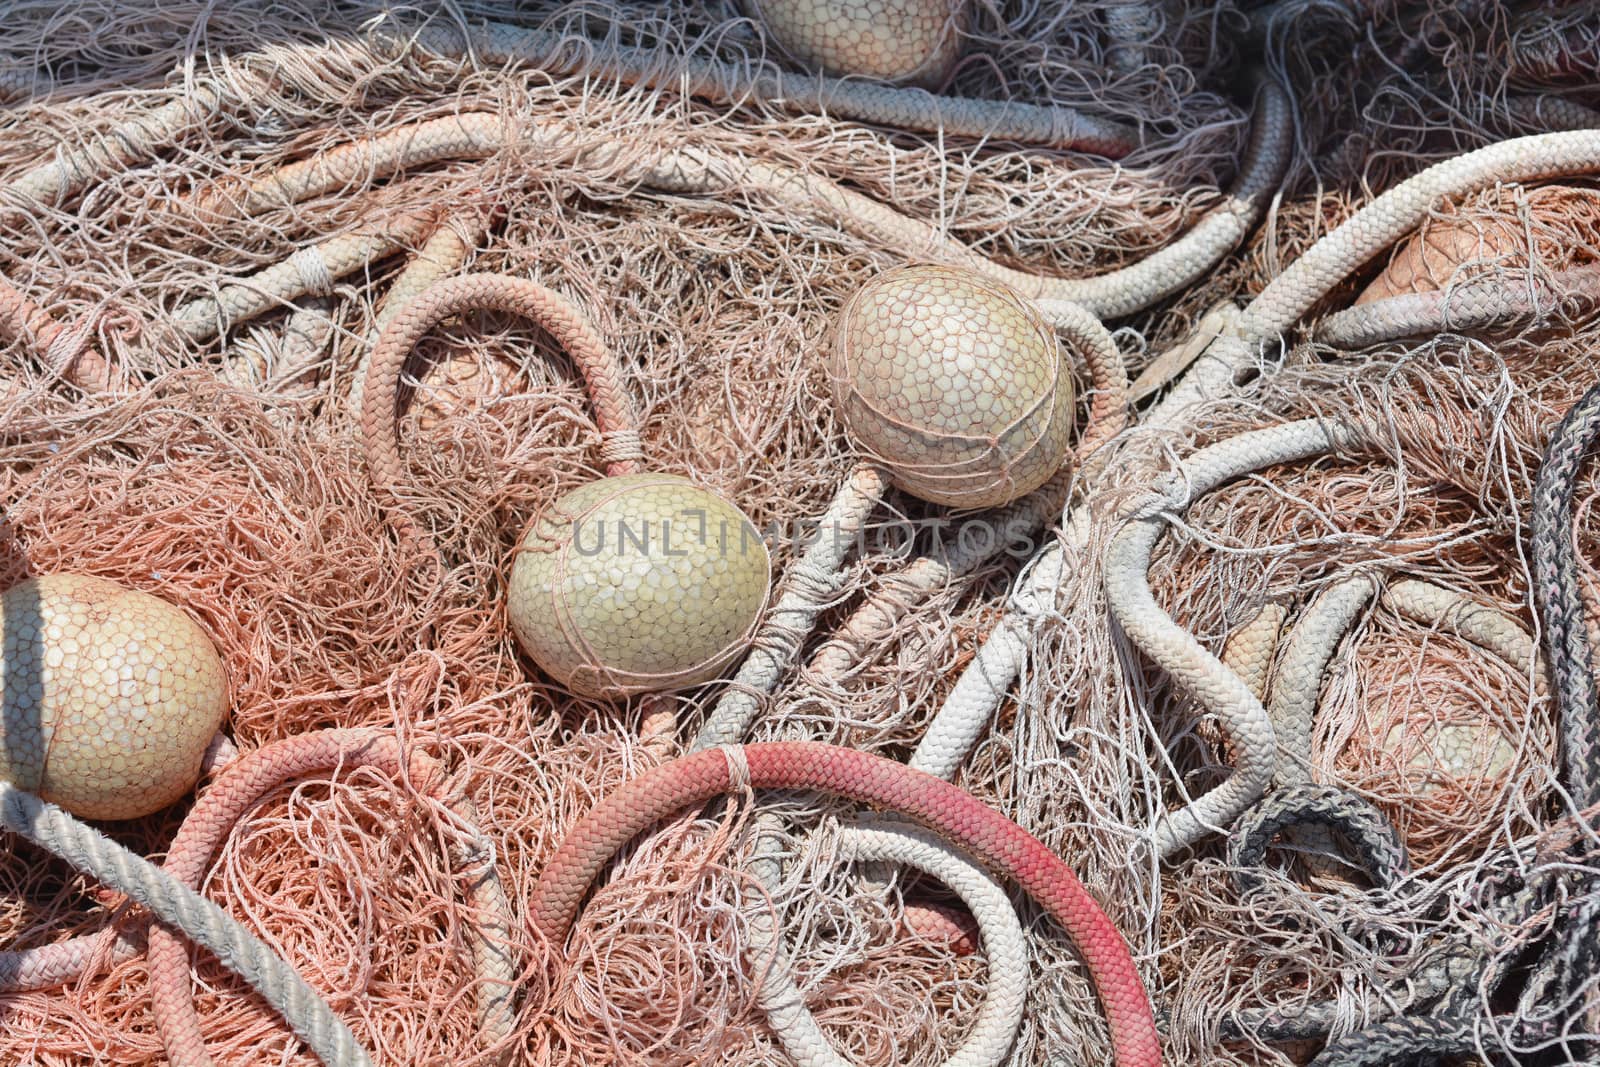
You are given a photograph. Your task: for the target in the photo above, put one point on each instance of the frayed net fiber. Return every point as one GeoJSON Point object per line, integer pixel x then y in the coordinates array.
{"type": "Point", "coordinates": [190, 428]}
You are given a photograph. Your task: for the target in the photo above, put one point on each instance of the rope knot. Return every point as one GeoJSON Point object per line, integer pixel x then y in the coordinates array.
{"type": "Point", "coordinates": [621, 446]}
{"type": "Point", "coordinates": [738, 767]}
{"type": "Point", "coordinates": [312, 269]}
{"type": "Point", "coordinates": [476, 855]}
{"type": "Point", "coordinates": [65, 348]}
{"type": "Point", "coordinates": [816, 584]}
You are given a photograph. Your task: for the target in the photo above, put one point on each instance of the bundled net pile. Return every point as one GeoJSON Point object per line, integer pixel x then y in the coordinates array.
{"type": "Point", "coordinates": [226, 474]}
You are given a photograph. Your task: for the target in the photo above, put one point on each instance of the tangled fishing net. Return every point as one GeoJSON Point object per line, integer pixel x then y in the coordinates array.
{"type": "Point", "coordinates": [227, 476]}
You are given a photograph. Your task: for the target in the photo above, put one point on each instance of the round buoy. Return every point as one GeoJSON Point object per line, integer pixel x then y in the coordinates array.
{"type": "Point", "coordinates": [953, 383]}
{"type": "Point", "coordinates": [110, 696]}
{"type": "Point", "coordinates": [909, 41]}
{"type": "Point", "coordinates": [637, 583]}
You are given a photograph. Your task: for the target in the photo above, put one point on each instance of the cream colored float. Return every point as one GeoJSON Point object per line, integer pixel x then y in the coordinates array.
{"type": "Point", "coordinates": [954, 389]}
{"type": "Point", "coordinates": [954, 384]}
{"type": "Point", "coordinates": [908, 41]}
{"type": "Point", "coordinates": [637, 583]}
{"type": "Point", "coordinates": [109, 700]}
{"type": "Point", "coordinates": [110, 696]}
{"type": "Point", "coordinates": [630, 584]}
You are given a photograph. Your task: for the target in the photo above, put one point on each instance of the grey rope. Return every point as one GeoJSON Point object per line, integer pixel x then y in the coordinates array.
{"type": "Point", "coordinates": [1298, 683]}
{"type": "Point", "coordinates": [1478, 305]}
{"type": "Point", "coordinates": [178, 906]}
{"type": "Point", "coordinates": [1550, 995]}
{"type": "Point", "coordinates": [1372, 836]}
{"type": "Point", "coordinates": [1398, 1040]}
{"type": "Point", "coordinates": [895, 107]}
{"type": "Point", "coordinates": [1296, 688]}
{"type": "Point", "coordinates": [1555, 572]}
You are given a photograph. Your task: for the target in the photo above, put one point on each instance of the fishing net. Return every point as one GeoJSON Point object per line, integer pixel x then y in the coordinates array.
{"type": "Point", "coordinates": [227, 475]}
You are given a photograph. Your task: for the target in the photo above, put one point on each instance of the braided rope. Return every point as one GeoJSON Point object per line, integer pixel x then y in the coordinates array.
{"type": "Point", "coordinates": [893, 106]}
{"type": "Point", "coordinates": [994, 1031]}
{"type": "Point", "coordinates": [1388, 218]}
{"type": "Point", "coordinates": [813, 580]}
{"type": "Point", "coordinates": [444, 252]}
{"type": "Point", "coordinates": [244, 784]}
{"type": "Point", "coordinates": [1454, 982]}
{"type": "Point", "coordinates": [202, 921]}
{"type": "Point", "coordinates": [1570, 959]}
{"type": "Point", "coordinates": [1553, 997]}
{"type": "Point", "coordinates": [74, 167]}
{"type": "Point", "coordinates": [957, 816]}
{"type": "Point", "coordinates": [1398, 1040]}
{"type": "Point", "coordinates": [62, 353]}
{"type": "Point", "coordinates": [310, 271]}
{"type": "Point", "coordinates": [1453, 966]}
{"type": "Point", "coordinates": [1295, 695]}
{"type": "Point", "coordinates": [1369, 831]}
{"type": "Point", "coordinates": [1298, 686]}
{"type": "Point", "coordinates": [1363, 235]}
{"type": "Point", "coordinates": [1555, 573]}
{"type": "Point", "coordinates": [311, 266]}
{"type": "Point", "coordinates": [1479, 305]}
{"type": "Point", "coordinates": [65, 350]}
{"type": "Point", "coordinates": [384, 397]}
{"type": "Point", "coordinates": [1157, 634]}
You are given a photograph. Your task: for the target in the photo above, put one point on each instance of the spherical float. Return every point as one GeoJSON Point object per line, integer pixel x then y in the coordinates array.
{"type": "Point", "coordinates": [1434, 739]}
{"type": "Point", "coordinates": [1503, 228]}
{"type": "Point", "coordinates": [637, 583]}
{"type": "Point", "coordinates": [952, 382]}
{"type": "Point", "coordinates": [1432, 259]}
{"type": "Point", "coordinates": [911, 41]}
{"type": "Point", "coordinates": [110, 696]}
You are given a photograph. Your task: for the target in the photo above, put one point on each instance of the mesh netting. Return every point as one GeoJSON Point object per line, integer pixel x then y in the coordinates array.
{"type": "Point", "coordinates": [226, 475]}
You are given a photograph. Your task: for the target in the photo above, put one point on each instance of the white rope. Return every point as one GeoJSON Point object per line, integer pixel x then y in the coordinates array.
{"type": "Point", "coordinates": [495, 959]}
{"type": "Point", "coordinates": [81, 845]}
{"type": "Point", "coordinates": [994, 1030]}
{"type": "Point", "coordinates": [819, 574]}
{"type": "Point", "coordinates": [74, 167]}
{"type": "Point", "coordinates": [1126, 563]}
{"type": "Point", "coordinates": [1280, 305]}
